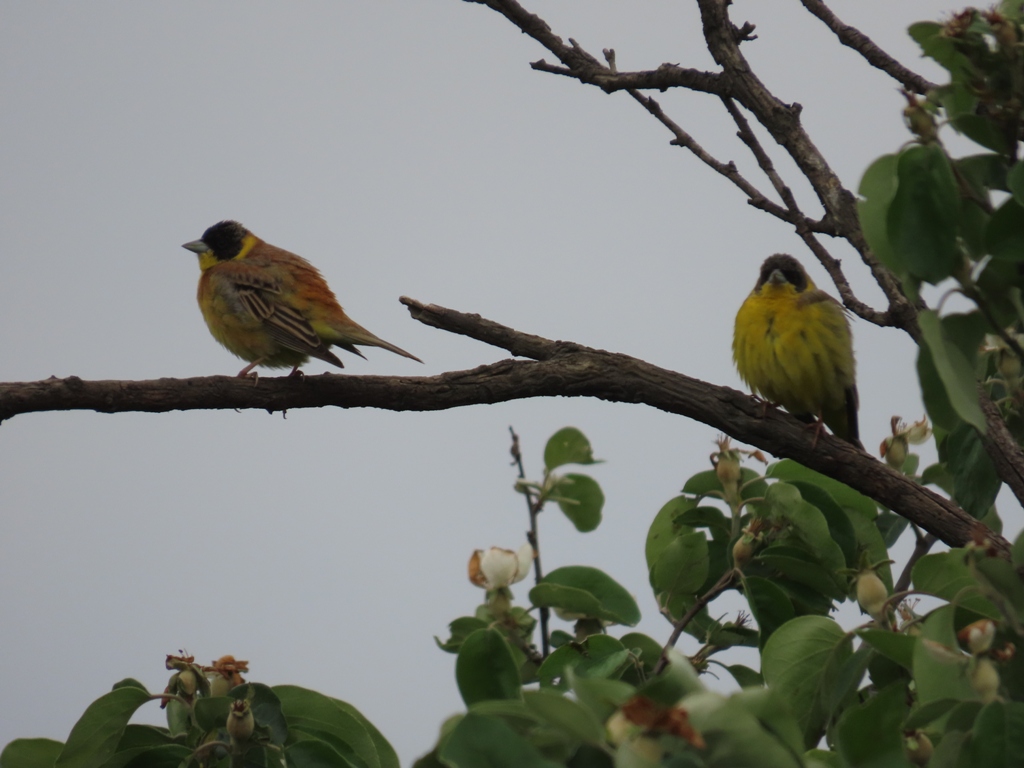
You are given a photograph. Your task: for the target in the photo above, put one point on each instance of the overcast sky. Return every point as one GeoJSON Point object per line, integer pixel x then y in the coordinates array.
{"type": "Point", "coordinates": [404, 147]}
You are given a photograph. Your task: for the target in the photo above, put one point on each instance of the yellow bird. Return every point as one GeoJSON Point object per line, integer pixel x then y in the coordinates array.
{"type": "Point", "coordinates": [792, 347]}
{"type": "Point", "coordinates": [269, 306]}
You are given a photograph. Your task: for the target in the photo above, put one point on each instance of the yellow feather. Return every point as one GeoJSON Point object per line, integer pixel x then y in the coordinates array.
{"type": "Point", "coordinates": [792, 346]}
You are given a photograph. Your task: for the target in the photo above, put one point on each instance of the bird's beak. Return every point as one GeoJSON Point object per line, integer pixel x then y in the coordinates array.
{"type": "Point", "coordinates": [196, 246]}
{"type": "Point", "coordinates": [775, 278]}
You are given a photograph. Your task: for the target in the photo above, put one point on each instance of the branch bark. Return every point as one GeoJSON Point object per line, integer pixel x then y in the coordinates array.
{"type": "Point", "coordinates": [865, 46]}
{"type": "Point", "coordinates": [555, 369]}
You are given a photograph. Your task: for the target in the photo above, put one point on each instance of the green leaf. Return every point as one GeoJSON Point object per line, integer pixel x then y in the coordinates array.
{"type": "Point", "coordinates": [925, 714]}
{"type": "Point", "coordinates": [485, 742]}
{"type": "Point", "coordinates": [810, 526]}
{"type": "Point", "coordinates": [485, 668]}
{"type": "Point", "coordinates": [461, 628]}
{"type": "Point", "coordinates": [128, 682]}
{"type": "Point", "coordinates": [313, 712]}
{"type": "Point", "coordinates": [975, 482]}
{"type": "Point", "coordinates": [568, 716]}
{"type": "Point", "coordinates": [665, 527]}
{"type": "Point", "coordinates": [30, 753]}
{"type": "Point", "coordinates": [870, 733]}
{"type": "Point", "coordinates": [799, 661]}
{"type": "Point", "coordinates": [939, 665]}
{"type": "Point", "coordinates": [981, 130]}
{"type": "Point", "coordinates": [745, 676]}
{"type": "Point", "coordinates": [1004, 235]}
{"type": "Point", "coordinates": [568, 446]}
{"type": "Point", "coordinates": [144, 736]}
{"type": "Point", "coordinates": [938, 46]}
{"type": "Point", "coordinates": [682, 566]}
{"type": "Point", "coordinates": [933, 392]}
{"type": "Point", "coordinates": [161, 756]}
{"type": "Point", "coordinates": [891, 526]}
{"type": "Point", "coordinates": [1017, 551]}
{"type": "Point", "coordinates": [769, 604]}
{"type": "Point", "coordinates": [844, 495]}
{"type": "Point", "coordinates": [802, 569]}
{"type": "Point", "coordinates": [1015, 181]}
{"type": "Point", "coordinates": [983, 172]}
{"type": "Point", "coordinates": [999, 735]}
{"type": "Point", "coordinates": [878, 188]}
{"type": "Point", "coordinates": [892, 645]}
{"type": "Point", "coordinates": [178, 722]}
{"type": "Point", "coordinates": [923, 215]}
{"type": "Point", "coordinates": [212, 712]}
{"type": "Point", "coordinates": [954, 369]}
{"type": "Point", "coordinates": [647, 649]}
{"type": "Point", "coordinates": [711, 518]}
{"type": "Point", "coordinates": [581, 500]}
{"type": "Point", "coordinates": [313, 753]}
{"type": "Point", "coordinates": [821, 758]}
{"type": "Point", "coordinates": [839, 526]}
{"type": "Point", "coordinates": [599, 695]}
{"type": "Point", "coordinates": [386, 755]}
{"type": "Point", "coordinates": [999, 577]}
{"type": "Point", "coordinates": [597, 656]}
{"type": "Point", "coordinates": [580, 589]}
{"type": "Point", "coordinates": [736, 737]}
{"type": "Point", "coordinates": [678, 679]}
{"type": "Point", "coordinates": [951, 751]}
{"type": "Point", "coordinates": [96, 734]}
{"type": "Point", "coordinates": [946, 575]}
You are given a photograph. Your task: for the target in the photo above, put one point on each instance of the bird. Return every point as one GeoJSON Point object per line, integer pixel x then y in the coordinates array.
{"type": "Point", "coordinates": [269, 306]}
{"type": "Point", "coordinates": [793, 347]}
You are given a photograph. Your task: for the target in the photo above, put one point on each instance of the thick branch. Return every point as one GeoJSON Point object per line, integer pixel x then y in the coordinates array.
{"type": "Point", "coordinates": [557, 369]}
{"type": "Point", "coordinates": [865, 46]}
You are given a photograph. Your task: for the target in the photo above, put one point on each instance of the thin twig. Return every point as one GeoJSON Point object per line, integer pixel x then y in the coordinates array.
{"type": "Point", "coordinates": [533, 508]}
{"type": "Point", "coordinates": [830, 263]}
{"type": "Point", "coordinates": [924, 543]}
{"type": "Point", "coordinates": [755, 197]}
{"type": "Point", "coordinates": [678, 626]}
{"type": "Point", "coordinates": [875, 56]}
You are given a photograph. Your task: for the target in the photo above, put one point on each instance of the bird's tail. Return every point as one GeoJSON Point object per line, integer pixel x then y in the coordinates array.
{"type": "Point", "coordinates": [356, 334]}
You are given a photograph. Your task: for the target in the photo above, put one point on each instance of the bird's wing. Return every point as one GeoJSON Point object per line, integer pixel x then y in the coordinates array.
{"type": "Point", "coordinates": [258, 293]}
{"type": "Point", "coordinates": [282, 323]}
{"type": "Point", "coordinates": [815, 296]}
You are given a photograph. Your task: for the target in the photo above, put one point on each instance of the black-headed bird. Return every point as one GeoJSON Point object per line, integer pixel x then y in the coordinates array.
{"type": "Point", "coordinates": [271, 307]}
{"type": "Point", "coordinates": [792, 346]}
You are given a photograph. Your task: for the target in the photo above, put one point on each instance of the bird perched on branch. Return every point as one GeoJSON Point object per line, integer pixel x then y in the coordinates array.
{"type": "Point", "coordinates": [792, 347]}
{"type": "Point", "coordinates": [269, 306]}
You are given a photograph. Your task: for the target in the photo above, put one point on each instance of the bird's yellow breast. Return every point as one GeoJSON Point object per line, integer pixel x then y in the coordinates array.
{"type": "Point", "coordinates": [794, 352]}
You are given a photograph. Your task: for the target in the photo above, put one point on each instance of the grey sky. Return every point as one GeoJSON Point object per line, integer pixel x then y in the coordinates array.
{"type": "Point", "coordinates": [404, 147]}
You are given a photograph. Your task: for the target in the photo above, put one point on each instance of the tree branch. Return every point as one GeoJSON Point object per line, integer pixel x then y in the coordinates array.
{"type": "Point", "coordinates": [738, 81]}
{"type": "Point", "coordinates": [862, 44]}
{"type": "Point", "coordinates": [924, 543]}
{"type": "Point", "coordinates": [782, 121]}
{"type": "Point", "coordinates": [831, 264]}
{"type": "Point", "coordinates": [755, 197]}
{"type": "Point", "coordinates": [1006, 454]}
{"type": "Point", "coordinates": [678, 626]}
{"type": "Point", "coordinates": [556, 368]}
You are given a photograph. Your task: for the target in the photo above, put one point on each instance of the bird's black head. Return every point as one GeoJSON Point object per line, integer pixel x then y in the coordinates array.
{"type": "Point", "coordinates": [225, 239]}
{"type": "Point", "coordinates": [790, 268]}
